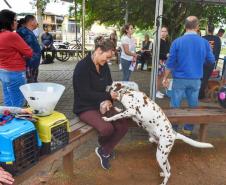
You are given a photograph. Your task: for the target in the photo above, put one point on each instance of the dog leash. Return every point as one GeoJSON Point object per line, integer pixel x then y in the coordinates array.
{"type": "Point", "coordinates": [28, 117]}
{"type": "Point", "coordinates": [7, 116]}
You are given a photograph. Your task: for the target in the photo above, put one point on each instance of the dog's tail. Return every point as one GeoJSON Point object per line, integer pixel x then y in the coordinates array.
{"type": "Point", "coordinates": [193, 142]}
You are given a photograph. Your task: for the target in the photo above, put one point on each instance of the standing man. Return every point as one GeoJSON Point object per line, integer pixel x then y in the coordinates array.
{"type": "Point", "coordinates": [220, 32]}
{"type": "Point", "coordinates": [215, 44]}
{"type": "Point", "coordinates": [26, 32]}
{"type": "Point", "coordinates": [187, 55]}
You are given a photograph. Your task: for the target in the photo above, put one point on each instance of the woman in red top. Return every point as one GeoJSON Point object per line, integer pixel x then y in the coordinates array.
{"type": "Point", "coordinates": [13, 51]}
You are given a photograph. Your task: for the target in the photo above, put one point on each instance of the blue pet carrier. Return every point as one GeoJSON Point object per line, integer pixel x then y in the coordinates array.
{"type": "Point", "coordinates": [19, 145]}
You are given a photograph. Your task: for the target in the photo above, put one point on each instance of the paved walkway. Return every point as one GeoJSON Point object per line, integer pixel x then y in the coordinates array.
{"type": "Point", "coordinates": [61, 72]}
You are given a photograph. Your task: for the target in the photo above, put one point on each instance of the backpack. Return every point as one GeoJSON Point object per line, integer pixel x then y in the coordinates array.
{"type": "Point", "coordinates": [48, 59]}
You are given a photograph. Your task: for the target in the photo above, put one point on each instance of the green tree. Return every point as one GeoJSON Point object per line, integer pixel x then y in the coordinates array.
{"type": "Point", "coordinates": [112, 12]}
{"type": "Point", "coordinates": [176, 12]}
{"type": "Point", "coordinates": [40, 6]}
{"type": "Point", "coordinates": [141, 13]}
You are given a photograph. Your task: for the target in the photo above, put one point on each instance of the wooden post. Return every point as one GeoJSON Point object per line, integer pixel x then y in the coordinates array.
{"type": "Point", "coordinates": [68, 164]}
{"type": "Point", "coordinates": [203, 132]}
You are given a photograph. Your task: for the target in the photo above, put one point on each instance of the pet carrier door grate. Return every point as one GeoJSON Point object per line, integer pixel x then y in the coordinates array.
{"type": "Point", "coordinates": [26, 152]}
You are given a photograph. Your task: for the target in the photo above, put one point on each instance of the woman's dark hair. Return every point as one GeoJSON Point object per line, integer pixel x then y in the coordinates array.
{"type": "Point", "coordinates": [21, 23]}
{"type": "Point", "coordinates": [165, 27]}
{"type": "Point", "coordinates": [103, 44]}
{"type": "Point", "coordinates": [125, 28]}
{"type": "Point", "coordinates": [7, 19]}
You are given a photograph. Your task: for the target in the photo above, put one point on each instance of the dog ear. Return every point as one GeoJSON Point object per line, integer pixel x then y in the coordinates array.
{"type": "Point", "coordinates": [108, 88]}
{"type": "Point", "coordinates": [118, 86]}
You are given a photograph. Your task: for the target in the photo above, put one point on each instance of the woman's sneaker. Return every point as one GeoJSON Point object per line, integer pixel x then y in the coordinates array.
{"type": "Point", "coordinates": [112, 155]}
{"type": "Point", "coordinates": [159, 95]}
{"type": "Point", "coordinates": [104, 160]}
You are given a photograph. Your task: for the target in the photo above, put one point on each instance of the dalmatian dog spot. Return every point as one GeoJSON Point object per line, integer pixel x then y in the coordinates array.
{"type": "Point", "coordinates": [154, 121]}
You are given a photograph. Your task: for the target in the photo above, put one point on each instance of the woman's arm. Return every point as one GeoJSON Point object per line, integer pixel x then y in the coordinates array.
{"type": "Point", "coordinates": [19, 44]}
{"type": "Point", "coordinates": [126, 50]}
{"type": "Point", "coordinates": [14, 110]}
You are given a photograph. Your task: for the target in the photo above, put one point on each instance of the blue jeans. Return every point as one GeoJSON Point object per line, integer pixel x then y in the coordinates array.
{"type": "Point", "coordinates": [11, 81]}
{"type": "Point", "coordinates": [190, 88]}
{"type": "Point", "coordinates": [125, 69]}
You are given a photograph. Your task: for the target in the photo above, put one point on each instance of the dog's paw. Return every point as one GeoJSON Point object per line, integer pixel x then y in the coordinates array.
{"type": "Point", "coordinates": [162, 174]}
{"type": "Point", "coordinates": [152, 140]}
{"type": "Point", "coordinates": [106, 119]}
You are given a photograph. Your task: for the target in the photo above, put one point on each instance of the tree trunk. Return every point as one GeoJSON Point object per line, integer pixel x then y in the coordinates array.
{"type": "Point", "coordinates": [39, 14]}
{"type": "Point", "coordinates": [126, 13]}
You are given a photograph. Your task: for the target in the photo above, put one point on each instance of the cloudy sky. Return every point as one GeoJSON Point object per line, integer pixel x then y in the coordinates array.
{"type": "Point", "coordinates": [19, 6]}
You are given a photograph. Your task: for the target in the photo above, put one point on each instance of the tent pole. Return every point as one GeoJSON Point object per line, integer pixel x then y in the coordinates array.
{"type": "Point", "coordinates": [156, 48]}
{"type": "Point", "coordinates": [6, 2]}
{"type": "Point", "coordinates": [76, 31]}
{"type": "Point", "coordinates": [83, 28]}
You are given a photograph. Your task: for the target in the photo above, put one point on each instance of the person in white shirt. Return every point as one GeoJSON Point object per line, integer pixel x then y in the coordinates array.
{"type": "Point", "coordinates": [37, 32]}
{"type": "Point", "coordinates": [128, 55]}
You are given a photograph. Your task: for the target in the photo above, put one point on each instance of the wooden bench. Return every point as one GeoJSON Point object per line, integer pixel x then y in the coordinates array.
{"type": "Point", "coordinates": [202, 116]}
{"type": "Point", "coordinates": [81, 133]}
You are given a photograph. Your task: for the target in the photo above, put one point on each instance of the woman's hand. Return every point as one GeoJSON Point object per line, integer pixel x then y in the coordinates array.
{"type": "Point", "coordinates": [165, 82]}
{"type": "Point", "coordinates": [135, 57]}
{"type": "Point", "coordinates": [105, 106]}
{"type": "Point", "coordinates": [114, 95]}
{"type": "Point", "coordinates": [26, 111]}
{"type": "Point", "coordinates": [108, 104]}
{"type": "Point", "coordinates": [5, 177]}
{"type": "Point", "coordinates": [161, 62]}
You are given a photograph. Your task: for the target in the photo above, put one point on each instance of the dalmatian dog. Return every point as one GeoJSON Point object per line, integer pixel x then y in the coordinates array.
{"type": "Point", "coordinates": [147, 114]}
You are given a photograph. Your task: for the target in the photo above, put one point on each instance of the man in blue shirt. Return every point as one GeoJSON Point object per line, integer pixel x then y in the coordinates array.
{"type": "Point", "coordinates": [26, 32]}
{"type": "Point", "coordinates": [188, 54]}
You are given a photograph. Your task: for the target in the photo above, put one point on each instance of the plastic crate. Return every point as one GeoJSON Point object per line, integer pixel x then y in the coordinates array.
{"type": "Point", "coordinates": [21, 147]}
{"type": "Point", "coordinates": [53, 131]}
